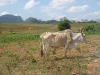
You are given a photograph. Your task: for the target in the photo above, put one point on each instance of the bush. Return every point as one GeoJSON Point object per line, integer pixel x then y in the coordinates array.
{"type": "Point", "coordinates": [64, 24]}
{"type": "Point", "coordinates": [92, 29]}
{"type": "Point", "coordinates": [89, 28]}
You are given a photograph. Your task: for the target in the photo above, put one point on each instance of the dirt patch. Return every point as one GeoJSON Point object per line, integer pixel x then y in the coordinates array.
{"type": "Point", "coordinates": [19, 28]}
{"type": "Point", "coordinates": [95, 63]}
{"type": "Point", "coordinates": [94, 67]}
{"type": "Point", "coordinates": [25, 28]}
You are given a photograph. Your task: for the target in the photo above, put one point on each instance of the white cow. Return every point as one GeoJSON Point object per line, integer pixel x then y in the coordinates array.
{"type": "Point", "coordinates": [66, 39]}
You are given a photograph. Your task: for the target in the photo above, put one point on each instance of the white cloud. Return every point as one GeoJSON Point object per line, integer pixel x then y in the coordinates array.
{"type": "Point", "coordinates": [6, 2]}
{"type": "Point", "coordinates": [74, 18]}
{"type": "Point", "coordinates": [54, 6]}
{"type": "Point", "coordinates": [88, 16]}
{"type": "Point", "coordinates": [4, 13]}
{"type": "Point", "coordinates": [30, 4]}
{"type": "Point", "coordinates": [78, 8]}
{"type": "Point", "coordinates": [99, 3]}
{"type": "Point", "coordinates": [49, 12]}
{"type": "Point", "coordinates": [57, 4]}
{"type": "Point", "coordinates": [60, 4]}
{"type": "Point", "coordinates": [16, 14]}
{"type": "Point", "coordinates": [92, 14]}
{"type": "Point", "coordinates": [56, 15]}
{"type": "Point", "coordinates": [45, 9]}
{"type": "Point", "coordinates": [95, 13]}
{"type": "Point", "coordinates": [60, 16]}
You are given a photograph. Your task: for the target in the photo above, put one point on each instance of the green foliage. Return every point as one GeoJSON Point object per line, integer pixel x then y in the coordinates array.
{"type": "Point", "coordinates": [77, 48]}
{"type": "Point", "coordinates": [53, 52]}
{"type": "Point", "coordinates": [18, 38]}
{"type": "Point", "coordinates": [89, 28]}
{"type": "Point", "coordinates": [92, 29]}
{"type": "Point", "coordinates": [64, 24]}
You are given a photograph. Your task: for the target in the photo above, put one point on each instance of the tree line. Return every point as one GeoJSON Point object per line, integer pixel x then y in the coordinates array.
{"type": "Point", "coordinates": [34, 20]}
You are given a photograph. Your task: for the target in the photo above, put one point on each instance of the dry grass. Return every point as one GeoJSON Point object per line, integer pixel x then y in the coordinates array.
{"type": "Point", "coordinates": [22, 58]}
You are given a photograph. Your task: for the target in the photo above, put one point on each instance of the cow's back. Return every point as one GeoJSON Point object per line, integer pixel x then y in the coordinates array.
{"type": "Point", "coordinates": [58, 39]}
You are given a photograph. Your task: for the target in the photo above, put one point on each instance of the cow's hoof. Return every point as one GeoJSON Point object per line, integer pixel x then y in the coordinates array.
{"type": "Point", "coordinates": [64, 56]}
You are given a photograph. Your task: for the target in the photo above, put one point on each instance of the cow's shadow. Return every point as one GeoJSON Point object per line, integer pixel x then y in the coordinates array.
{"type": "Point", "coordinates": [74, 57]}
{"type": "Point", "coordinates": [61, 58]}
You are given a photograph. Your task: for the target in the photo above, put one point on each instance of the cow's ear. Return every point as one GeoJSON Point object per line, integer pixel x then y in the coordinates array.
{"type": "Point", "coordinates": [80, 30]}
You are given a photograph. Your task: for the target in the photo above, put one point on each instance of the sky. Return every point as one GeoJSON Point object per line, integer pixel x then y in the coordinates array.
{"type": "Point", "coordinates": [52, 9]}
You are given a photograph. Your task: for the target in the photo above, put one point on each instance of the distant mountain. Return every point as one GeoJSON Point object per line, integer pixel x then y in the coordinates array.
{"type": "Point", "coordinates": [10, 18]}
{"type": "Point", "coordinates": [52, 22]}
{"type": "Point", "coordinates": [34, 20]}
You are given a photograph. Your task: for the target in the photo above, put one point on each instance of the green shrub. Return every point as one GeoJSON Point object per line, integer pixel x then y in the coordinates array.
{"type": "Point", "coordinates": [92, 29]}
{"type": "Point", "coordinates": [89, 28]}
{"type": "Point", "coordinates": [64, 24]}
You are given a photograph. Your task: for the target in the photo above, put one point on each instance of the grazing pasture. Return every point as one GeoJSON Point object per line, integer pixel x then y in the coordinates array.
{"type": "Point", "coordinates": [20, 52]}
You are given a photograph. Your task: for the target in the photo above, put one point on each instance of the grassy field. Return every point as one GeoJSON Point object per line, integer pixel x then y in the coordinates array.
{"type": "Point", "coordinates": [20, 49]}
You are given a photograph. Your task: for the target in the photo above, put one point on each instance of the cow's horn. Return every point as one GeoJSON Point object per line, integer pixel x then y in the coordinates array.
{"type": "Point", "coordinates": [81, 30]}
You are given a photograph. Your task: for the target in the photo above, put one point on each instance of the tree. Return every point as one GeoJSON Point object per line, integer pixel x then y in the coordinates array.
{"type": "Point", "coordinates": [64, 24]}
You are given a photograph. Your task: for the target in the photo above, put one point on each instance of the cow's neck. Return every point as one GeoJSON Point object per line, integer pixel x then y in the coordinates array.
{"type": "Point", "coordinates": [76, 38]}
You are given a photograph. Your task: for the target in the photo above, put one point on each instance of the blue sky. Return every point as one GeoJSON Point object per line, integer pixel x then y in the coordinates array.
{"type": "Point", "coordinates": [52, 9]}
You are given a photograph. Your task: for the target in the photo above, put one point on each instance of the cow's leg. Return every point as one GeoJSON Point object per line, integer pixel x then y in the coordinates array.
{"type": "Point", "coordinates": [65, 50]}
{"type": "Point", "coordinates": [47, 48]}
{"type": "Point", "coordinates": [44, 49]}
{"type": "Point", "coordinates": [41, 52]}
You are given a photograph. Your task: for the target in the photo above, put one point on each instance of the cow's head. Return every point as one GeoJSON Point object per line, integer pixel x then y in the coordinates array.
{"type": "Point", "coordinates": [83, 37]}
